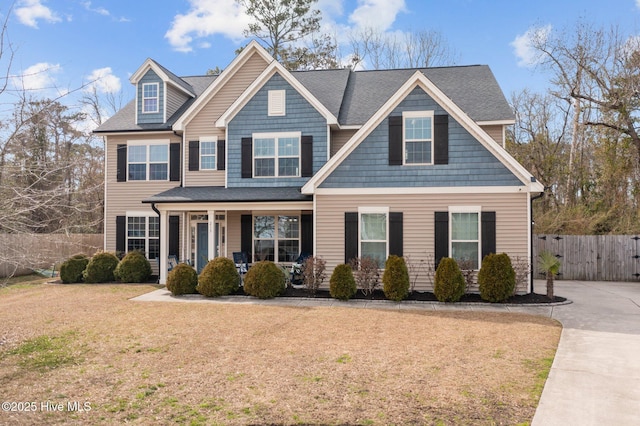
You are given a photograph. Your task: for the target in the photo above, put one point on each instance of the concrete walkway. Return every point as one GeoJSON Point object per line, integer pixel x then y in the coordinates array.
{"type": "Point", "coordinates": [595, 376]}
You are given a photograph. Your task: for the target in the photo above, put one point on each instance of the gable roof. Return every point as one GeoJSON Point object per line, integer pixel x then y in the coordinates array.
{"type": "Point", "coordinates": [418, 79]}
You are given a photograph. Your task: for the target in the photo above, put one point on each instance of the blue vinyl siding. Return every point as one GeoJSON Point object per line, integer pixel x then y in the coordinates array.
{"type": "Point", "coordinates": [147, 118]}
{"type": "Point", "coordinates": [470, 163]}
{"type": "Point", "coordinates": [253, 118]}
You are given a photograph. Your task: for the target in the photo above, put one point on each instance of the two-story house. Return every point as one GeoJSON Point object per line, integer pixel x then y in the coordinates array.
{"type": "Point", "coordinates": [336, 163]}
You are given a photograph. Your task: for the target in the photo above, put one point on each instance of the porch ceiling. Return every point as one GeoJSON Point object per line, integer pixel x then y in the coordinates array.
{"type": "Point", "coordinates": [218, 194]}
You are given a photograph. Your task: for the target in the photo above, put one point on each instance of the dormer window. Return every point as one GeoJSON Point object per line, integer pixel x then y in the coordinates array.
{"type": "Point", "coordinates": [150, 98]}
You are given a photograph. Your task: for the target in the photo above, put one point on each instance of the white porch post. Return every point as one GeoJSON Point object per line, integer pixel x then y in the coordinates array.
{"type": "Point", "coordinates": [164, 246]}
{"type": "Point", "coordinates": [211, 214]}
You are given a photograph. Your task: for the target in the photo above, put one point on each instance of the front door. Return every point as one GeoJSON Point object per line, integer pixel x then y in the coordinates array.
{"type": "Point", "coordinates": [202, 245]}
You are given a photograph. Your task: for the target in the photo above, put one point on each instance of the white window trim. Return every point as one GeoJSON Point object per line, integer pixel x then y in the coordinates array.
{"type": "Point", "coordinates": [146, 237]}
{"type": "Point", "coordinates": [416, 114]}
{"type": "Point", "coordinates": [275, 136]}
{"type": "Point", "coordinates": [466, 209]}
{"type": "Point", "coordinates": [214, 140]}
{"type": "Point", "coordinates": [149, 143]}
{"type": "Point", "coordinates": [373, 210]}
{"type": "Point", "coordinates": [276, 238]}
{"type": "Point", "coordinates": [157, 98]}
{"type": "Point", "coordinates": [277, 103]}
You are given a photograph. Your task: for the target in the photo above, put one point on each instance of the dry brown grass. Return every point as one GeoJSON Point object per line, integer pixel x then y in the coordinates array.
{"type": "Point", "coordinates": [188, 363]}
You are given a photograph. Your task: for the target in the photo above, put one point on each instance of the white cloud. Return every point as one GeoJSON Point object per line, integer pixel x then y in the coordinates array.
{"type": "Point", "coordinates": [378, 14]}
{"type": "Point", "coordinates": [523, 45]}
{"type": "Point", "coordinates": [30, 11]}
{"type": "Point", "coordinates": [638, 3]}
{"type": "Point", "coordinates": [103, 81]}
{"type": "Point", "coordinates": [99, 10]}
{"type": "Point", "coordinates": [37, 77]}
{"type": "Point", "coordinates": [206, 18]}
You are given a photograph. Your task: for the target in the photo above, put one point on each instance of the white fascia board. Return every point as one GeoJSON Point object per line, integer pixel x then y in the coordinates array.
{"type": "Point", "coordinates": [270, 71]}
{"type": "Point", "coordinates": [133, 133]}
{"type": "Point", "coordinates": [496, 123]}
{"type": "Point", "coordinates": [223, 78]}
{"type": "Point", "coordinates": [418, 79]}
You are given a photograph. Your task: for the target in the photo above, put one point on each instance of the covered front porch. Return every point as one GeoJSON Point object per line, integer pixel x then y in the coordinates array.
{"type": "Point", "coordinates": [199, 224]}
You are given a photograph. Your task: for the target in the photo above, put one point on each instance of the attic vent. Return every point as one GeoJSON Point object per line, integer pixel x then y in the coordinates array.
{"type": "Point", "coordinates": [277, 105]}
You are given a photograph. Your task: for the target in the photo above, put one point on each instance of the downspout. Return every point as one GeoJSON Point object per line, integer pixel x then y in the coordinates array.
{"type": "Point", "coordinates": [540, 195]}
{"type": "Point", "coordinates": [155, 209]}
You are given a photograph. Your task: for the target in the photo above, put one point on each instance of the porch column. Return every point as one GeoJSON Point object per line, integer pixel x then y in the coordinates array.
{"type": "Point", "coordinates": [164, 246]}
{"type": "Point", "coordinates": [211, 214]}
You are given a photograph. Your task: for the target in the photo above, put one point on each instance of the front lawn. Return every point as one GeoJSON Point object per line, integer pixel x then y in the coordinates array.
{"type": "Point", "coordinates": [194, 363]}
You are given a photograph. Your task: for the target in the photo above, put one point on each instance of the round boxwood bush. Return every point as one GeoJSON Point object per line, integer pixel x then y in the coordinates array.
{"type": "Point", "coordinates": [71, 270]}
{"type": "Point", "coordinates": [100, 268]}
{"type": "Point", "coordinates": [342, 285]}
{"type": "Point", "coordinates": [218, 278]}
{"type": "Point", "coordinates": [182, 279]}
{"type": "Point", "coordinates": [497, 279]}
{"type": "Point", "coordinates": [264, 280]}
{"type": "Point", "coordinates": [449, 283]}
{"type": "Point", "coordinates": [395, 279]}
{"type": "Point", "coordinates": [133, 268]}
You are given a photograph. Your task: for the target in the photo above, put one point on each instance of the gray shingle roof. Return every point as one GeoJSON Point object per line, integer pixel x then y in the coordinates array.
{"type": "Point", "coordinates": [354, 96]}
{"type": "Point", "coordinates": [233, 195]}
{"type": "Point", "coordinates": [175, 79]}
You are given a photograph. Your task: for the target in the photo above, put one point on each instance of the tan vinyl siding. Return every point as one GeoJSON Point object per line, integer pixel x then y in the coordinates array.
{"type": "Point", "coordinates": [496, 132]}
{"type": "Point", "coordinates": [127, 196]}
{"type": "Point", "coordinates": [339, 138]}
{"type": "Point", "coordinates": [175, 99]}
{"type": "Point", "coordinates": [233, 232]}
{"type": "Point", "coordinates": [418, 222]}
{"type": "Point", "coordinates": [203, 123]}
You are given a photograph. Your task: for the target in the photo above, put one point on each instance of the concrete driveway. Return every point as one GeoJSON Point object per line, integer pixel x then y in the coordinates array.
{"type": "Point", "coordinates": [595, 377]}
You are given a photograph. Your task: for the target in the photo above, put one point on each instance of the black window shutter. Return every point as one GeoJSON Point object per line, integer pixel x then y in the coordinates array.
{"type": "Point", "coordinates": [395, 140]}
{"type": "Point", "coordinates": [174, 162]}
{"type": "Point", "coordinates": [121, 174]}
{"type": "Point", "coordinates": [441, 139]}
{"type": "Point", "coordinates": [121, 236]}
{"type": "Point", "coordinates": [395, 233]}
{"type": "Point", "coordinates": [488, 230]}
{"type": "Point", "coordinates": [247, 157]}
{"type": "Point", "coordinates": [174, 236]}
{"type": "Point", "coordinates": [350, 236]}
{"type": "Point", "coordinates": [194, 156]}
{"type": "Point", "coordinates": [306, 233]}
{"type": "Point", "coordinates": [221, 155]}
{"type": "Point", "coordinates": [441, 236]}
{"type": "Point", "coordinates": [246, 235]}
{"type": "Point", "coordinates": [306, 157]}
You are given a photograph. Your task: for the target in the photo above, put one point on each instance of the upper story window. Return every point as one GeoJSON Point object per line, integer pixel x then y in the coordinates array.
{"type": "Point", "coordinates": [465, 235]}
{"type": "Point", "coordinates": [208, 153]}
{"type": "Point", "coordinates": [277, 102]}
{"type": "Point", "coordinates": [150, 98]}
{"type": "Point", "coordinates": [148, 162]}
{"type": "Point", "coordinates": [276, 155]}
{"type": "Point", "coordinates": [418, 137]}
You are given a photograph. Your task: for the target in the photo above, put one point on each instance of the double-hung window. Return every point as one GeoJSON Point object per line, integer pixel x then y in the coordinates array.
{"type": "Point", "coordinates": [143, 235]}
{"type": "Point", "coordinates": [276, 238]}
{"type": "Point", "coordinates": [276, 154]}
{"type": "Point", "coordinates": [373, 234]}
{"type": "Point", "coordinates": [465, 234]}
{"type": "Point", "coordinates": [418, 137]}
{"type": "Point", "coordinates": [148, 162]}
{"type": "Point", "coordinates": [208, 154]}
{"type": "Point", "coordinates": [150, 98]}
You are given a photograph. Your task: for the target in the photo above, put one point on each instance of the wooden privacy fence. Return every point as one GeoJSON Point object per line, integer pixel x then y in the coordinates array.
{"type": "Point", "coordinates": [592, 257]}
{"type": "Point", "coordinates": [20, 253]}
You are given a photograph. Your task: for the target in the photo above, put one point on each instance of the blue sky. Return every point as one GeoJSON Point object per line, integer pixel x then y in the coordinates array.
{"type": "Point", "coordinates": [60, 44]}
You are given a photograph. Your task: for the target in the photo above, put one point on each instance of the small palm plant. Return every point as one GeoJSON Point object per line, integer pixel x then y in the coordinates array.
{"type": "Point", "coordinates": [551, 266]}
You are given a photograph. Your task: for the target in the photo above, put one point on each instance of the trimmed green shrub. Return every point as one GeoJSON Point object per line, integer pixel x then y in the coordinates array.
{"type": "Point", "coordinates": [264, 280]}
{"type": "Point", "coordinates": [342, 285]}
{"type": "Point", "coordinates": [219, 277]}
{"type": "Point", "coordinates": [449, 284]}
{"type": "Point", "coordinates": [395, 279]}
{"type": "Point", "coordinates": [100, 268]}
{"type": "Point", "coordinates": [71, 270]}
{"type": "Point", "coordinates": [133, 268]}
{"type": "Point", "coordinates": [497, 279]}
{"type": "Point", "coordinates": [182, 279]}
